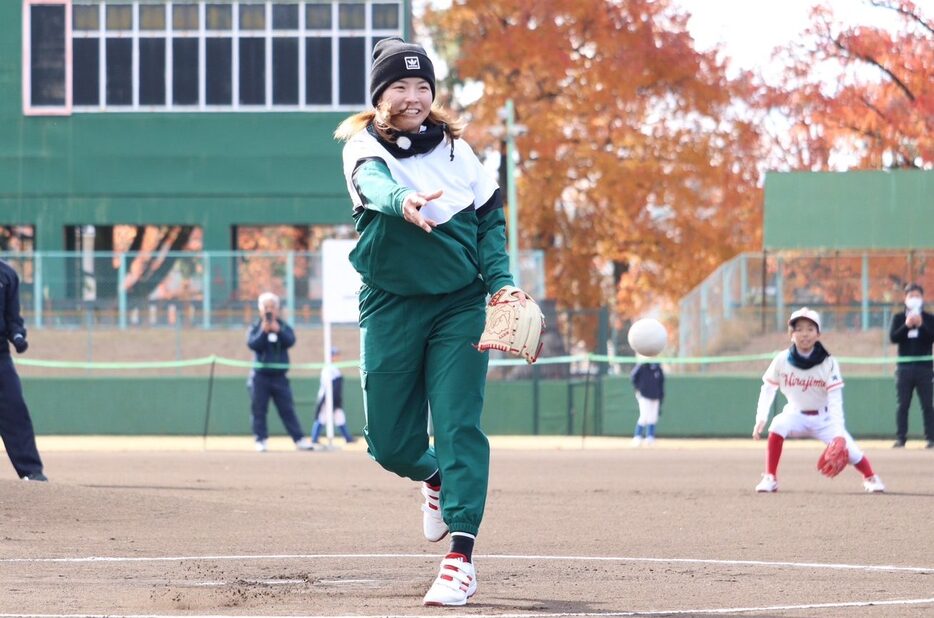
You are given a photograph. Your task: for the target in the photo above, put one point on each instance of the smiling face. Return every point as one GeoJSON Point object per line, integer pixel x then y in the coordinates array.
{"type": "Point", "coordinates": [804, 334]}
{"type": "Point", "coordinates": [409, 102]}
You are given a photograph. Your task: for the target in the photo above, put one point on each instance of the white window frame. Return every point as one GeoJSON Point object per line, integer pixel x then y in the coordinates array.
{"type": "Point", "coordinates": [44, 110]}
{"type": "Point", "coordinates": [202, 34]}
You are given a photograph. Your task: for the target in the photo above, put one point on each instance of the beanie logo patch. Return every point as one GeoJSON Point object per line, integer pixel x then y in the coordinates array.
{"type": "Point", "coordinates": [412, 63]}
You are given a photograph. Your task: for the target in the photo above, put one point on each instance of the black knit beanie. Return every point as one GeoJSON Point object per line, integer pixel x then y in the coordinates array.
{"type": "Point", "coordinates": [394, 59]}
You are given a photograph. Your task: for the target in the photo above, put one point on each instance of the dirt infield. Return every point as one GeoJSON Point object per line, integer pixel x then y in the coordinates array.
{"type": "Point", "coordinates": [162, 527]}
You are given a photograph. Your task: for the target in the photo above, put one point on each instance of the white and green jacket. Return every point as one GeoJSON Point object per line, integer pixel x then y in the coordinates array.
{"type": "Point", "coordinates": [401, 258]}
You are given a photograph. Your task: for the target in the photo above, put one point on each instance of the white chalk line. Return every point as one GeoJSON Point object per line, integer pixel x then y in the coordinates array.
{"type": "Point", "coordinates": [481, 557]}
{"type": "Point", "coordinates": [671, 612]}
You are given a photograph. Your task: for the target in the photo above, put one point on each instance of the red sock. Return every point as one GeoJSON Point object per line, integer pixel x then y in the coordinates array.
{"type": "Point", "coordinates": [773, 453]}
{"type": "Point", "coordinates": [865, 467]}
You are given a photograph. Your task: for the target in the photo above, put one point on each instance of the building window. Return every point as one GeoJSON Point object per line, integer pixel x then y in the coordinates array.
{"type": "Point", "coordinates": [85, 56]}
{"type": "Point", "coordinates": [46, 51]}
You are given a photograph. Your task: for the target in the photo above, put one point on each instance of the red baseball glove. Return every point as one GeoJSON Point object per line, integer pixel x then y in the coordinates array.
{"type": "Point", "coordinates": [834, 458]}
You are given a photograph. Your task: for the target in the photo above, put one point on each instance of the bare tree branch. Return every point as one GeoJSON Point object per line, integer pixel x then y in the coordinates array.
{"type": "Point", "coordinates": [875, 109]}
{"type": "Point", "coordinates": [903, 11]}
{"type": "Point", "coordinates": [870, 60]}
{"type": "Point", "coordinates": [137, 243]}
{"type": "Point", "coordinates": [152, 278]}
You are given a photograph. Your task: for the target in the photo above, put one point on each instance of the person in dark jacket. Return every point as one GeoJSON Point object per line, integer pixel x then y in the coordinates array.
{"type": "Point", "coordinates": [913, 331]}
{"type": "Point", "coordinates": [270, 339]}
{"type": "Point", "coordinates": [19, 438]}
{"type": "Point", "coordinates": [648, 380]}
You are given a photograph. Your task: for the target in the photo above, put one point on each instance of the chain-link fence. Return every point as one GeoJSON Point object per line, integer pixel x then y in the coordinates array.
{"type": "Point", "coordinates": [752, 295]}
{"type": "Point", "coordinates": [194, 290]}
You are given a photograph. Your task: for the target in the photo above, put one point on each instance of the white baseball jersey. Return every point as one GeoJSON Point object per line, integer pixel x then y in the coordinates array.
{"type": "Point", "coordinates": [805, 389]}
{"type": "Point", "coordinates": [820, 389]}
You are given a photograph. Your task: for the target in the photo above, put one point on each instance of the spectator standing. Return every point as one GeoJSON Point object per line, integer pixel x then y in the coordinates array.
{"type": "Point", "coordinates": [913, 331]}
{"type": "Point", "coordinates": [270, 339]}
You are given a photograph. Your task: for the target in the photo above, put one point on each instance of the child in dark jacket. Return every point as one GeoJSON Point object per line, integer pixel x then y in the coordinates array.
{"type": "Point", "coordinates": [648, 380]}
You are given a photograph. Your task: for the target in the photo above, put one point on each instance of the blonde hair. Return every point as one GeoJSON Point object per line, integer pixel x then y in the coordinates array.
{"type": "Point", "coordinates": [380, 119]}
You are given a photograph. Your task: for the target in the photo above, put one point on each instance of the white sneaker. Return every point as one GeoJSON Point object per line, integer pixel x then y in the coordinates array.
{"type": "Point", "coordinates": [305, 444]}
{"type": "Point", "coordinates": [456, 582]}
{"type": "Point", "coordinates": [649, 440]}
{"type": "Point", "coordinates": [637, 442]}
{"type": "Point", "coordinates": [873, 484]}
{"type": "Point", "coordinates": [768, 484]}
{"type": "Point", "coordinates": [260, 446]}
{"type": "Point", "coordinates": [432, 523]}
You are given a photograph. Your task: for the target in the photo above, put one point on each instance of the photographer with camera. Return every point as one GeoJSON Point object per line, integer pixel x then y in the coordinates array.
{"type": "Point", "coordinates": [270, 339]}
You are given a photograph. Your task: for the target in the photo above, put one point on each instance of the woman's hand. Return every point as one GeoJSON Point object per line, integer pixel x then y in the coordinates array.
{"type": "Point", "coordinates": [411, 209]}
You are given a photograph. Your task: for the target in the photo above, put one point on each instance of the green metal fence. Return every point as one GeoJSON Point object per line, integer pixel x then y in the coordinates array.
{"type": "Point", "coordinates": [205, 290]}
{"type": "Point", "coordinates": [753, 294]}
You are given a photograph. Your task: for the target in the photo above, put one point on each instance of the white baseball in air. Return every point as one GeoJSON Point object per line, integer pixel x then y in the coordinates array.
{"type": "Point", "coordinates": [647, 336]}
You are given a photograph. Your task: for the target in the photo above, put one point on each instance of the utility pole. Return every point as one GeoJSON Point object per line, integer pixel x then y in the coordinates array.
{"type": "Point", "coordinates": [507, 113]}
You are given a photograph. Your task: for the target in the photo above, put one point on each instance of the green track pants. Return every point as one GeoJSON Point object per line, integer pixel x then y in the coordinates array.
{"type": "Point", "coordinates": [416, 352]}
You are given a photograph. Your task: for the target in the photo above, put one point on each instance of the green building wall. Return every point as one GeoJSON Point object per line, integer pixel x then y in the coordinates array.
{"type": "Point", "coordinates": [865, 209]}
{"type": "Point", "coordinates": [695, 406]}
{"type": "Point", "coordinates": [212, 170]}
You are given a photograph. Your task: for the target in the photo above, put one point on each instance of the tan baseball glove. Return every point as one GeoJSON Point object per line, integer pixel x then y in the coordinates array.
{"type": "Point", "coordinates": [834, 458]}
{"type": "Point", "coordinates": [512, 325]}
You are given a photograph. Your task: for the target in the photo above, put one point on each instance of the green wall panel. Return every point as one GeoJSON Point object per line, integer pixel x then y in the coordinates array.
{"type": "Point", "coordinates": [213, 170]}
{"type": "Point", "coordinates": [695, 406]}
{"type": "Point", "coordinates": [722, 406]}
{"type": "Point", "coordinates": [849, 210]}
{"type": "Point", "coordinates": [508, 408]}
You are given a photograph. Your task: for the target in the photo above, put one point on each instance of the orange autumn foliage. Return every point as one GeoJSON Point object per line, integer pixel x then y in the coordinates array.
{"type": "Point", "coordinates": [638, 172]}
{"type": "Point", "coordinates": [863, 91]}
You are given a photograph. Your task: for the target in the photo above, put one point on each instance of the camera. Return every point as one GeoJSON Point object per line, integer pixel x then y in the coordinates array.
{"type": "Point", "coordinates": [269, 316]}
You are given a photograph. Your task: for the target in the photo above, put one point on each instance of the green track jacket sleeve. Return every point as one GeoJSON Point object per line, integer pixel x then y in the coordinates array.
{"type": "Point", "coordinates": [491, 244]}
{"type": "Point", "coordinates": [376, 185]}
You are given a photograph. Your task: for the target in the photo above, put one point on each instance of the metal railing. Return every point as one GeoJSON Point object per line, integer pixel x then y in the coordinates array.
{"type": "Point", "coordinates": [753, 294]}
{"type": "Point", "coordinates": [207, 290]}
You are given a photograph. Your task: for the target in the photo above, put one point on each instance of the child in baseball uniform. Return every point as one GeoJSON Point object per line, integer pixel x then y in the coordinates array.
{"type": "Point", "coordinates": [331, 374]}
{"type": "Point", "coordinates": [648, 380]}
{"type": "Point", "coordinates": [811, 381]}
{"type": "Point", "coordinates": [432, 245]}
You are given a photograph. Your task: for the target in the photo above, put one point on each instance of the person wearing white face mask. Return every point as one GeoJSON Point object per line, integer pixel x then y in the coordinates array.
{"type": "Point", "coordinates": [913, 331]}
